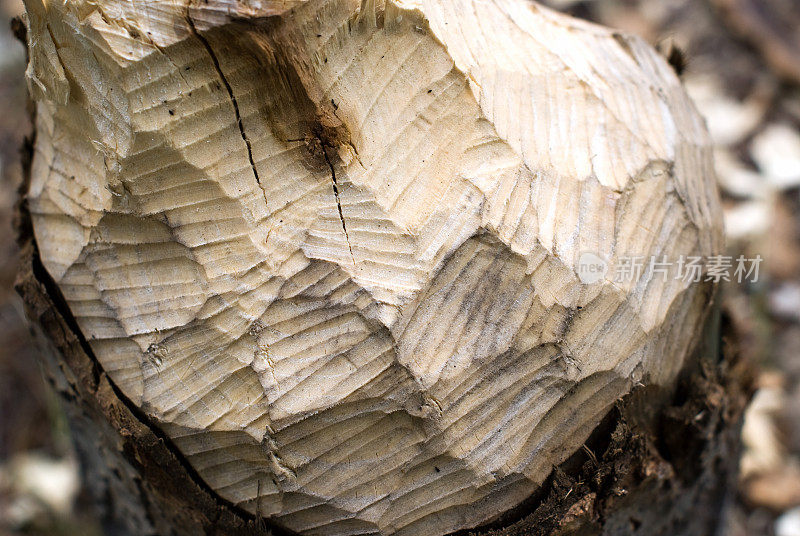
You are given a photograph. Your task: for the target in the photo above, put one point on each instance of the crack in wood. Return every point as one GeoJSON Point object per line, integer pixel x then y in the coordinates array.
{"type": "Point", "coordinates": [229, 89]}
{"type": "Point", "coordinates": [335, 186]}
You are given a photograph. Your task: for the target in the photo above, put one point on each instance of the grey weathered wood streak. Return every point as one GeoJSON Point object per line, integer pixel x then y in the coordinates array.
{"type": "Point", "coordinates": [329, 247]}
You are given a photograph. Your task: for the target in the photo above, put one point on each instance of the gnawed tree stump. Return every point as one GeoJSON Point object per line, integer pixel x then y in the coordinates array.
{"type": "Point", "coordinates": [317, 261]}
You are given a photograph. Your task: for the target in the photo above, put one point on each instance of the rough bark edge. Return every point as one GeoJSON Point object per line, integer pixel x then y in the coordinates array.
{"type": "Point", "coordinates": [661, 462]}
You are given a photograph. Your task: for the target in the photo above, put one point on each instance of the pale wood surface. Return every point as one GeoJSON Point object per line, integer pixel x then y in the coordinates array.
{"type": "Point", "coordinates": [329, 247]}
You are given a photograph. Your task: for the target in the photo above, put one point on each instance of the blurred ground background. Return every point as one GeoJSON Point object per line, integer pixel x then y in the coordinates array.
{"type": "Point", "coordinates": [740, 62]}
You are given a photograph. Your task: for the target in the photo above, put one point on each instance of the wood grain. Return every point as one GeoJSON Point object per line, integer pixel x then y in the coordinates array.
{"type": "Point", "coordinates": [330, 247]}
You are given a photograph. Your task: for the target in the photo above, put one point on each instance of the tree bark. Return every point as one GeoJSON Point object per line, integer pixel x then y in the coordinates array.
{"type": "Point", "coordinates": [461, 295]}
